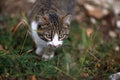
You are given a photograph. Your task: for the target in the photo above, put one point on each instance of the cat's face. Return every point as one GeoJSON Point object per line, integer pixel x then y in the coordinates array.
{"type": "Point", "coordinates": [54, 29]}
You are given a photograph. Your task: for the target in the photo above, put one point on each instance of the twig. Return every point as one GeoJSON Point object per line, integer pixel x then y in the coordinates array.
{"type": "Point", "coordinates": [23, 43]}
{"type": "Point", "coordinates": [16, 28]}
{"type": "Point", "coordinates": [89, 51]}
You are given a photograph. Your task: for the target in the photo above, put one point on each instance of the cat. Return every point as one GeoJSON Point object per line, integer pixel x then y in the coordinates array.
{"type": "Point", "coordinates": [50, 24]}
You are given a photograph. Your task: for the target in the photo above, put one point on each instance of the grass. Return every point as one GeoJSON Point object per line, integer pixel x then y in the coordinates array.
{"type": "Point", "coordinates": [80, 58]}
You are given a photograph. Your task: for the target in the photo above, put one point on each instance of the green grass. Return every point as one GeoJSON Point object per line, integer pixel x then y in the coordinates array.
{"type": "Point", "coordinates": [80, 58]}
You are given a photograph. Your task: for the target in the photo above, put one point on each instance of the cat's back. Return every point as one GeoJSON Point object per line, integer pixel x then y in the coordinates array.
{"type": "Point", "coordinates": [66, 5]}
{"type": "Point", "coordinates": [42, 7]}
{"type": "Point", "coordinates": [63, 5]}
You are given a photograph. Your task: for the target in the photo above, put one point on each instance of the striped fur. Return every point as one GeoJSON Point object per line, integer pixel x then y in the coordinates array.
{"type": "Point", "coordinates": [50, 23]}
{"type": "Point", "coordinates": [54, 26]}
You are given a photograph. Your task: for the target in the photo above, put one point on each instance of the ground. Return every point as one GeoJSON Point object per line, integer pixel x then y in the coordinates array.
{"type": "Point", "coordinates": [88, 54]}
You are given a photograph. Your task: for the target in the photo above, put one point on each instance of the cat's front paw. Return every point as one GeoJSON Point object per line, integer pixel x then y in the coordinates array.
{"type": "Point", "coordinates": [39, 51]}
{"type": "Point", "coordinates": [46, 57]}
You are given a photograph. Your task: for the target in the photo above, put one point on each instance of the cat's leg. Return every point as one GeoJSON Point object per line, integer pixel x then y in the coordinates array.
{"type": "Point", "coordinates": [48, 54]}
{"type": "Point", "coordinates": [39, 50]}
{"type": "Point", "coordinates": [46, 57]}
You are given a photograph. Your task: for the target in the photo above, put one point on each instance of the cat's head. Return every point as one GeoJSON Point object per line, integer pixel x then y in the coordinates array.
{"type": "Point", "coordinates": [54, 28]}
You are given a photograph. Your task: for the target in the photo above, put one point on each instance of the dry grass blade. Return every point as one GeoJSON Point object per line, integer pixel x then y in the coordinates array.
{"type": "Point", "coordinates": [24, 22]}
{"type": "Point", "coordinates": [23, 43]}
{"type": "Point", "coordinates": [16, 28]}
{"type": "Point", "coordinates": [91, 51]}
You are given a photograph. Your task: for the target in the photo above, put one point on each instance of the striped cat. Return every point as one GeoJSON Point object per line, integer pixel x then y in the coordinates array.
{"type": "Point", "coordinates": [50, 22]}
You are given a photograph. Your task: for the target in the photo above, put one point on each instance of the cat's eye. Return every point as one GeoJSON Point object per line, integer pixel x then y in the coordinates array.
{"type": "Point", "coordinates": [48, 37]}
{"type": "Point", "coordinates": [42, 26]}
{"type": "Point", "coordinates": [45, 26]}
{"type": "Point", "coordinates": [61, 37]}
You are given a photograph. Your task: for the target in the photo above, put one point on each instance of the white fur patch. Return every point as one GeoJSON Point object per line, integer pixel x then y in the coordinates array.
{"type": "Point", "coordinates": [38, 50]}
{"type": "Point", "coordinates": [55, 41]}
{"type": "Point", "coordinates": [47, 57]}
{"type": "Point", "coordinates": [35, 36]}
{"type": "Point", "coordinates": [34, 33]}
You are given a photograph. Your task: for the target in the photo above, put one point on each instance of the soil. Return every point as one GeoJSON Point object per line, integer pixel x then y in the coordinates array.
{"type": "Point", "coordinates": [14, 6]}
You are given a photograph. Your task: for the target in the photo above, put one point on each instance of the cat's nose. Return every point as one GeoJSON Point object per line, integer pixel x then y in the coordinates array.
{"type": "Point", "coordinates": [58, 45]}
{"type": "Point", "coordinates": [54, 46]}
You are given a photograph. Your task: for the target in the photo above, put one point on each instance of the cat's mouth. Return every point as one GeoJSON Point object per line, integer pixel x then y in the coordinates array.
{"type": "Point", "coordinates": [51, 44]}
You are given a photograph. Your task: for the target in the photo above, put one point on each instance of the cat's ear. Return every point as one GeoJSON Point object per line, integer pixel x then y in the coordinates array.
{"type": "Point", "coordinates": [42, 20]}
{"type": "Point", "coordinates": [67, 19]}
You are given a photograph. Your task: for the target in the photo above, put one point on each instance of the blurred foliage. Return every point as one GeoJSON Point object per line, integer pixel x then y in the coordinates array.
{"type": "Point", "coordinates": [82, 57]}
